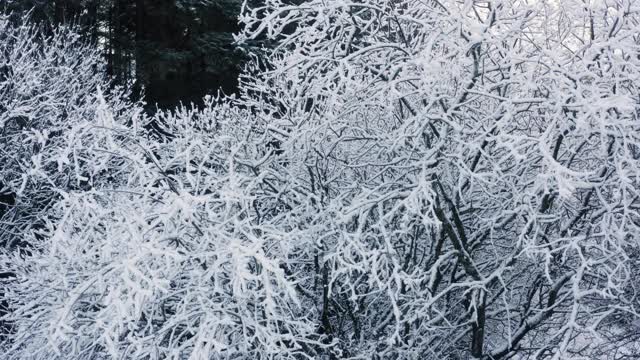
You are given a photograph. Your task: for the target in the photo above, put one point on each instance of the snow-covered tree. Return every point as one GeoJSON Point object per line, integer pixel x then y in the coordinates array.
{"type": "Point", "coordinates": [399, 179]}
{"type": "Point", "coordinates": [472, 167]}
{"type": "Point", "coordinates": [131, 245]}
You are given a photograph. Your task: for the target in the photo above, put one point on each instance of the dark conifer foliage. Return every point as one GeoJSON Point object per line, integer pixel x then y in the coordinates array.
{"type": "Point", "coordinates": [184, 49]}
{"type": "Point", "coordinates": [173, 51]}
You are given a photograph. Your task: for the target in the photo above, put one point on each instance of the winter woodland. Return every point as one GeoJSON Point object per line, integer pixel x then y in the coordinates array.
{"type": "Point", "coordinates": [394, 179]}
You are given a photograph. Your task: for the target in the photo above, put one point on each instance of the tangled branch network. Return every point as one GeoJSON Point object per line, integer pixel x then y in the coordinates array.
{"type": "Point", "coordinates": [396, 179]}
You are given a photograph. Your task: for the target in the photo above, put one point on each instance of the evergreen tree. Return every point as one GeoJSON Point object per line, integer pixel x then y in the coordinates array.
{"type": "Point", "coordinates": [185, 49]}
{"type": "Point", "coordinates": [172, 50]}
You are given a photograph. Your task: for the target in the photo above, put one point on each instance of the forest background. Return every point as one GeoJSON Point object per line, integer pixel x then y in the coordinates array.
{"type": "Point", "coordinates": [176, 50]}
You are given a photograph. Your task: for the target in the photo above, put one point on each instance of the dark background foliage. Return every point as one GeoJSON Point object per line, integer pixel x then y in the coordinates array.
{"type": "Point", "coordinates": [172, 51]}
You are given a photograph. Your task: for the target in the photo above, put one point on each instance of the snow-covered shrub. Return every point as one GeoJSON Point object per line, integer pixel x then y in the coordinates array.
{"type": "Point", "coordinates": [473, 169]}
{"type": "Point", "coordinates": [169, 261]}
{"type": "Point", "coordinates": [47, 86]}
{"type": "Point", "coordinates": [399, 179]}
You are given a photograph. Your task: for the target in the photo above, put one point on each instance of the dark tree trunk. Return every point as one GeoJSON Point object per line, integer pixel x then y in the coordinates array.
{"type": "Point", "coordinates": [477, 328]}
{"type": "Point", "coordinates": [59, 11]}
